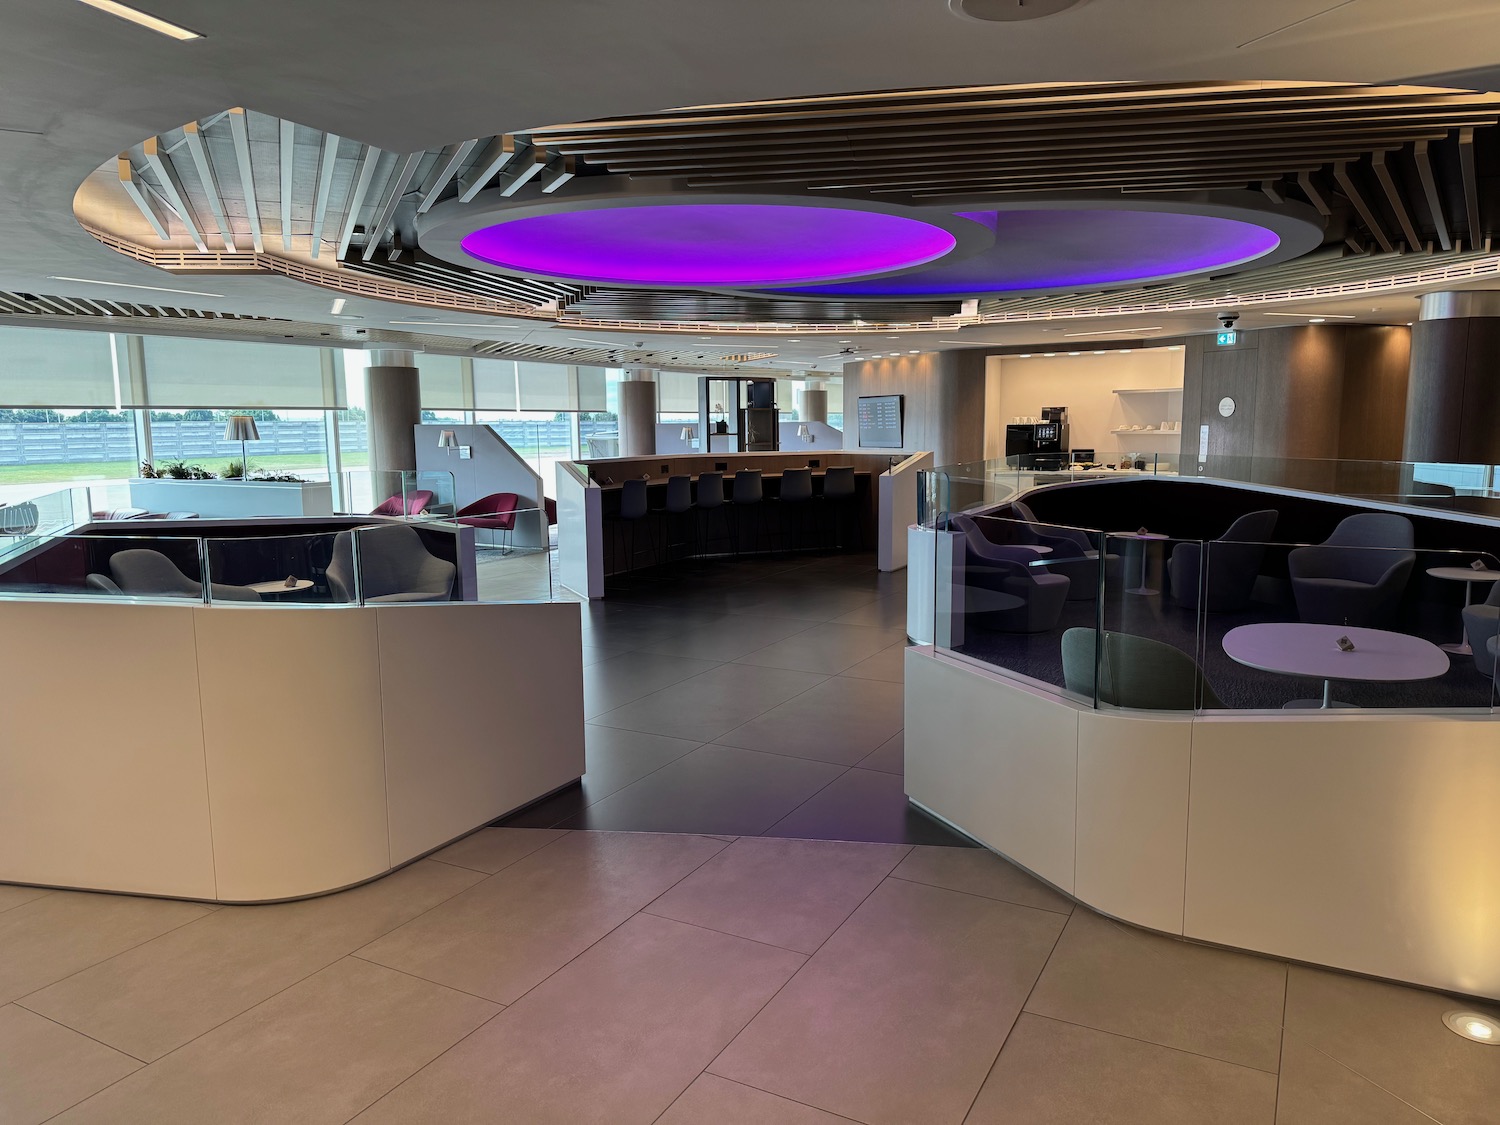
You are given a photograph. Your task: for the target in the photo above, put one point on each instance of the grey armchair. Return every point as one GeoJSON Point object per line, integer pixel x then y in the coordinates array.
{"type": "Point", "coordinates": [1481, 626]}
{"type": "Point", "coordinates": [1233, 563]}
{"type": "Point", "coordinates": [1074, 555]}
{"type": "Point", "coordinates": [394, 566]}
{"type": "Point", "coordinates": [1005, 587]}
{"type": "Point", "coordinates": [1357, 575]}
{"type": "Point", "coordinates": [1135, 672]}
{"type": "Point", "coordinates": [150, 573]}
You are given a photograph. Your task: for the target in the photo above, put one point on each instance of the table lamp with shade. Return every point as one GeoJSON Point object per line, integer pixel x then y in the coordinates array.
{"type": "Point", "coordinates": [805, 432]}
{"type": "Point", "coordinates": [690, 436]}
{"type": "Point", "coordinates": [241, 428]}
{"type": "Point", "coordinates": [448, 439]}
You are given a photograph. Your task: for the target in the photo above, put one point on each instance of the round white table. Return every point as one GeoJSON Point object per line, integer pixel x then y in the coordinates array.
{"type": "Point", "coordinates": [1296, 648]}
{"type": "Point", "coordinates": [1468, 576]}
{"type": "Point", "coordinates": [1145, 539]}
{"type": "Point", "coordinates": [279, 586]}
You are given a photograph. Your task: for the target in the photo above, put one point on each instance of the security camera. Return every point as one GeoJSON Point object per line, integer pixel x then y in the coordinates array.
{"type": "Point", "coordinates": [1227, 319]}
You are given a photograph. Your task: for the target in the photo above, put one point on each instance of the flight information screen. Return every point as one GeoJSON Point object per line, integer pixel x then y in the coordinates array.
{"type": "Point", "coordinates": [880, 421]}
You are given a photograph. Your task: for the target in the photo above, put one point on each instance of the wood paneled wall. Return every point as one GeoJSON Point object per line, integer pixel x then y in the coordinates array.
{"type": "Point", "coordinates": [1453, 401]}
{"type": "Point", "coordinates": [1314, 391]}
{"type": "Point", "coordinates": [944, 401]}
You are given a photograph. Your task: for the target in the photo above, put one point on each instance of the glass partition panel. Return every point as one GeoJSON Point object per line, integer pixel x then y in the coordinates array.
{"type": "Point", "coordinates": [281, 569]}
{"type": "Point", "coordinates": [111, 566]}
{"type": "Point", "coordinates": [401, 563]}
{"type": "Point", "coordinates": [398, 492]}
{"type": "Point", "coordinates": [512, 563]}
{"type": "Point", "coordinates": [1149, 650]}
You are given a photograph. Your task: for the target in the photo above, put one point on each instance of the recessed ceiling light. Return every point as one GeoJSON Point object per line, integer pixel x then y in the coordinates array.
{"type": "Point", "coordinates": [1475, 1026]}
{"type": "Point", "coordinates": [1318, 316]}
{"type": "Point", "coordinates": [338, 305]}
{"type": "Point", "coordinates": [1101, 353]}
{"type": "Point", "coordinates": [1048, 355]}
{"type": "Point", "coordinates": [124, 285]}
{"type": "Point", "coordinates": [1115, 331]}
{"type": "Point", "coordinates": [1024, 355]}
{"type": "Point", "coordinates": [1075, 353]}
{"type": "Point", "coordinates": [915, 351]}
{"type": "Point", "coordinates": [794, 341]}
{"type": "Point", "coordinates": [151, 23]}
{"type": "Point", "coordinates": [1316, 319]}
{"type": "Point", "coordinates": [445, 324]}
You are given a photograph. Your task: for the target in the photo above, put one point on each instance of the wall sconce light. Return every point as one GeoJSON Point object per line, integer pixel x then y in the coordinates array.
{"type": "Point", "coordinates": [690, 436]}
{"type": "Point", "coordinates": [804, 431]}
{"type": "Point", "coordinates": [448, 439]}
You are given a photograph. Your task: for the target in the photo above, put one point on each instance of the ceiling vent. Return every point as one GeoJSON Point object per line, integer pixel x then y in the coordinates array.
{"type": "Point", "coordinates": [1010, 11]}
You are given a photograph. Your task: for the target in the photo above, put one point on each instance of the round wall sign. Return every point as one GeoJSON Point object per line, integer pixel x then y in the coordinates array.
{"type": "Point", "coordinates": [1226, 406]}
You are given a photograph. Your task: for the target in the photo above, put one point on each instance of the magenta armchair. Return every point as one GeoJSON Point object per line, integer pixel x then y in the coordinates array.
{"type": "Point", "coordinates": [415, 504]}
{"type": "Point", "coordinates": [496, 512]}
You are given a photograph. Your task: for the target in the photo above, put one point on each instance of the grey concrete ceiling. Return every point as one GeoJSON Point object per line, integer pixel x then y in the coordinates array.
{"type": "Point", "coordinates": [77, 86]}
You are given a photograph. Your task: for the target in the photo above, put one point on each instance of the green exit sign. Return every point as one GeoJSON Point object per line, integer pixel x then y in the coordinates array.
{"type": "Point", "coordinates": [1227, 339]}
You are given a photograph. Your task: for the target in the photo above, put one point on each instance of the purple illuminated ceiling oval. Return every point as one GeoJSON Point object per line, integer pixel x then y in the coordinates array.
{"type": "Point", "coordinates": [710, 244]}
{"type": "Point", "coordinates": [1041, 250]}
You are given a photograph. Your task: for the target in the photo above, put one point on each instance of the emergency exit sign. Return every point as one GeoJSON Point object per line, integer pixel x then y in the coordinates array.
{"type": "Point", "coordinates": [1227, 339]}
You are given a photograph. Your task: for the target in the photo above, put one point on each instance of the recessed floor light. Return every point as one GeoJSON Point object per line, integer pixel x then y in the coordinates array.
{"type": "Point", "coordinates": [142, 19]}
{"type": "Point", "coordinates": [126, 285]}
{"type": "Point", "coordinates": [1475, 1026]}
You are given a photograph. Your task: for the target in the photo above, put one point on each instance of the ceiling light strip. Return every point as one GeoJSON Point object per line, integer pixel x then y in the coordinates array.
{"type": "Point", "coordinates": [143, 19]}
{"type": "Point", "coordinates": [127, 285]}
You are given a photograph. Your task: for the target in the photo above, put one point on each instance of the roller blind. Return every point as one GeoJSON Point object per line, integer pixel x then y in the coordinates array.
{"type": "Point", "coordinates": [48, 367]}
{"type": "Point", "coordinates": [676, 392]}
{"type": "Point", "coordinates": [227, 374]}
{"type": "Point", "coordinates": [835, 389]}
{"type": "Point", "coordinates": [593, 394]}
{"type": "Point", "coordinates": [442, 382]}
{"type": "Point", "coordinates": [494, 384]}
{"type": "Point", "coordinates": [545, 386]}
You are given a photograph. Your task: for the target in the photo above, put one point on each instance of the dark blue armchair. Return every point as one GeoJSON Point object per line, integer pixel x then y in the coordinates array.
{"type": "Point", "coordinates": [1006, 587]}
{"type": "Point", "coordinates": [1357, 575]}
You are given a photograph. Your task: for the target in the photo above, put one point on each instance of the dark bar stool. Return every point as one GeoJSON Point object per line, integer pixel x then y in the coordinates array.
{"type": "Point", "coordinates": [840, 496]}
{"type": "Point", "coordinates": [633, 509]}
{"type": "Point", "coordinates": [679, 502]}
{"type": "Point", "coordinates": [748, 495]}
{"type": "Point", "coordinates": [792, 504]}
{"type": "Point", "coordinates": [710, 499]}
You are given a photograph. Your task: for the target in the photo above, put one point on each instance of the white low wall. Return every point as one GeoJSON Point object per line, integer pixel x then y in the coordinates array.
{"type": "Point", "coordinates": [1358, 840]}
{"type": "Point", "coordinates": [233, 499]}
{"type": "Point", "coordinates": [246, 754]}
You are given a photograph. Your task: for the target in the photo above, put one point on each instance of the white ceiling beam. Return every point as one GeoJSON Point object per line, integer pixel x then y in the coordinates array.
{"type": "Point", "coordinates": [166, 176]}
{"type": "Point", "coordinates": [135, 188]}
{"type": "Point", "coordinates": [1352, 193]}
{"type": "Point", "coordinates": [406, 168]}
{"type": "Point", "coordinates": [192, 134]}
{"type": "Point", "coordinates": [496, 155]}
{"type": "Point", "coordinates": [559, 171]}
{"type": "Point", "coordinates": [325, 187]}
{"type": "Point", "coordinates": [288, 157]}
{"type": "Point", "coordinates": [526, 169]}
{"type": "Point", "coordinates": [1394, 197]}
{"type": "Point", "coordinates": [357, 192]}
{"type": "Point", "coordinates": [239, 130]}
{"type": "Point", "coordinates": [1430, 190]}
{"type": "Point", "coordinates": [448, 162]}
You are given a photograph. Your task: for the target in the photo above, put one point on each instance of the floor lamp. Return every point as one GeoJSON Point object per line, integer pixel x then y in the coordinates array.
{"type": "Point", "coordinates": [241, 428]}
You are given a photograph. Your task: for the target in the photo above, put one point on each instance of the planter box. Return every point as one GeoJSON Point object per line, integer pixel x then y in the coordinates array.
{"type": "Point", "coordinates": [233, 499]}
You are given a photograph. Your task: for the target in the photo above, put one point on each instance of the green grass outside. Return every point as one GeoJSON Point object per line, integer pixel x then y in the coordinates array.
{"type": "Point", "coordinates": [62, 473]}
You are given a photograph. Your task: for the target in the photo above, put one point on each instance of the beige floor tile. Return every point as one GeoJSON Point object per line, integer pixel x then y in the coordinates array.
{"type": "Point", "coordinates": [1054, 1073]}
{"type": "Point", "coordinates": [13, 895]}
{"type": "Point", "coordinates": [491, 849]}
{"type": "Point", "coordinates": [791, 893]}
{"type": "Point", "coordinates": [159, 995]}
{"type": "Point", "coordinates": [976, 871]}
{"type": "Point", "coordinates": [1113, 977]}
{"type": "Point", "coordinates": [1317, 1090]}
{"type": "Point", "coordinates": [722, 1102]}
{"type": "Point", "coordinates": [886, 612]}
{"type": "Point", "coordinates": [888, 665]}
{"type": "Point", "coordinates": [1396, 1037]}
{"type": "Point", "coordinates": [613, 1038]}
{"type": "Point", "coordinates": [317, 1053]}
{"type": "Point", "coordinates": [45, 1068]}
{"type": "Point", "coordinates": [56, 935]}
{"type": "Point", "coordinates": [826, 648]}
{"type": "Point", "coordinates": [898, 1017]}
{"type": "Point", "coordinates": [889, 757]}
{"type": "Point", "coordinates": [838, 721]}
{"type": "Point", "coordinates": [505, 935]}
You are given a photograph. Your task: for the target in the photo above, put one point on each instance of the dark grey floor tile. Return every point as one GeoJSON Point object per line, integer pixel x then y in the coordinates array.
{"type": "Point", "coordinates": [865, 805]}
{"type": "Point", "coordinates": [889, 757]}
{"type": "Point", "coordinates": [715, 789]}
{"type": "Point", "coordinates": [840, 720]}
{"type": "Point", "coordinates": [711, 703]}
{"type": "Point", "coordinates": [617, 681]}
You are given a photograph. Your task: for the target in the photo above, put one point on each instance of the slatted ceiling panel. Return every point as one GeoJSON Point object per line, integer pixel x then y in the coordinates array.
{"type": "Point", "coordinates": [425, 271]}
{"type": "Point", "coordinates": [657, 306]}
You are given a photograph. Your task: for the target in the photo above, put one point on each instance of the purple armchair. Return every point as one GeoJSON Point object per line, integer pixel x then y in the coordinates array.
{"type": "Point", "coordinates": [414, 504]}
{"type": "Point", "coordinates": [495, 512]}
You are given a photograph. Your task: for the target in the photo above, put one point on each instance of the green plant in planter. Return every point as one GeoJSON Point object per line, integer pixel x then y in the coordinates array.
{"type": "Point", "coordinates": [149, 471]}
{"type": "Point", "coordinates": [181, 470]}
{"type": "Point", "coordinates": [232, 471]}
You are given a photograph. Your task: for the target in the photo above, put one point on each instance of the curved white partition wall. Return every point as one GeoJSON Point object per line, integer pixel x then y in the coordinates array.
{"type": "Point", "coordinates": [1359, 840]}
{"type": "Point", "coordinates": [247, 754]}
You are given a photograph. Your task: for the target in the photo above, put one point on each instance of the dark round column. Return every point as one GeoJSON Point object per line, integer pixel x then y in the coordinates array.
{"type": "Point", "coordinates": [1453, 396]}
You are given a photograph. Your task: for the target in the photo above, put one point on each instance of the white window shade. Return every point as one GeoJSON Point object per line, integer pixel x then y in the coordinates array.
{"type": "Point", "coordinates": [494, 384]}
{"type": "Point", "coordinates": [676, 392]}
{"type": "Point", "coordinates": [184, 373]}
{"type": "Point", "coordinates": [442, 379]}
{"type": "Point", "coordinates": [835, 389]}
{"type": "Point", "coordinates": [545, 387]}
{"type": "Point", "coordinates": [47, 367]}
{"type": "Point", "coordinates": [786, 396]}
{"type": "Point", "coordinates": [593, 394]}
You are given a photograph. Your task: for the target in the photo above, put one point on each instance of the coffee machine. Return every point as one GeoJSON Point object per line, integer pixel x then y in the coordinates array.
{"type": "Point", "coordinates": [1039, 445]}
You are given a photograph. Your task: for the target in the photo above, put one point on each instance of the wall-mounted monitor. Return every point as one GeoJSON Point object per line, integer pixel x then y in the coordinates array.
{"type": "Point", "coordinates": [882, 420]}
